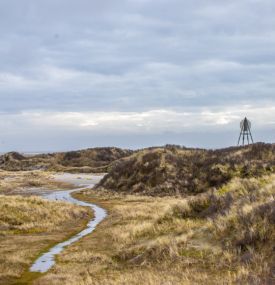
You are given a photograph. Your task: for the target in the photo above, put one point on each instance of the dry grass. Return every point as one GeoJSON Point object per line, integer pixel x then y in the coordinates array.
{"type": "Point", "coordinates": [29, 225]}
{"type": "Point", "coordinates": [25, 215]}
{"type": "Point", "coordinates": [147, 240]}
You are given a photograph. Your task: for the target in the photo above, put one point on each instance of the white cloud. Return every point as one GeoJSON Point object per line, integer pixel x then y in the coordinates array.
{"type": "Point", "coordinates": [147, 122]}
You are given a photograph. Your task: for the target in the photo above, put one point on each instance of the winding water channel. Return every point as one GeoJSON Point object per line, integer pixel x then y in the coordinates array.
{"type": "Point", "coordinates": [47, 260]}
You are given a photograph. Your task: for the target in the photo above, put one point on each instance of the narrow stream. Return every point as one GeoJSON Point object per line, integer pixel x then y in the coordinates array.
{"type": "Point", "coordinates": [47, 260]}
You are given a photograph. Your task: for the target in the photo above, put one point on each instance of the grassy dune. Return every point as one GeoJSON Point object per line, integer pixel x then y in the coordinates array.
{"type": "Point", "coordinates": [219, 237]}
{"type": "Point", "coordinates": [181, 171]}
{"type": "Point", "coordinates": [30, 225]}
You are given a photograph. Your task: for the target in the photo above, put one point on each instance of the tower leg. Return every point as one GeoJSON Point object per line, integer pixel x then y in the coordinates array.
{"type": "Point", "coordinates": [250, 135]}
{"type": "Point", "coordinates": [240, 136]}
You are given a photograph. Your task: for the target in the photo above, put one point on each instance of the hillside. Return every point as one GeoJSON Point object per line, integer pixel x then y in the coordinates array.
{"type": "Point", "coordinates": [89, 160]}
{"type": "Point", "coordinates": [179, 171]}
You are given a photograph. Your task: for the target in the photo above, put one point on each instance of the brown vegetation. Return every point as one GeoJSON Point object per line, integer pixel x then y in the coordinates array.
{"type": "Point", "coordinates": [89, 160]}
{"type": "Point", "coordinates": [28, 226]}
{"type": "Point", "coordinates": [211, 220]}
{"type": "Point", "coordinates": [181, 171]}
{"type": "Point", "coordinates": [224, 236]}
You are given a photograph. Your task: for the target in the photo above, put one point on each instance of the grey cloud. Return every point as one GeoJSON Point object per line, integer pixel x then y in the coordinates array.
{"type": "Point", "coordinates": [135, 55]}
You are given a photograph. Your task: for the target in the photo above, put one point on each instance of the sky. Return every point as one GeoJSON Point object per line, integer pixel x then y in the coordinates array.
{"type": "Point", "coordinates": [135, 73]}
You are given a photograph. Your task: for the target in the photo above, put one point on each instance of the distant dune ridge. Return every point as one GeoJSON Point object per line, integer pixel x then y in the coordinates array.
{"type": "Point", "coordinates": [89, 160]}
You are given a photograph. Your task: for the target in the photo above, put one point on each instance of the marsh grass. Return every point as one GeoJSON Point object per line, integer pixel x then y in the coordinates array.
{"type": "Point", "coordinates": [153, 240]}
{"type": "Point", "coordinates": [28, 215]}
{"type": "Point", "coordinates": [30, 225]}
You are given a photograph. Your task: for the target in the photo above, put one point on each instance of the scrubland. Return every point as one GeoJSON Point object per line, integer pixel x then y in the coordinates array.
{"type": "Point", "coordinates": [175, 216]}
{"type": "Point", "coordinates": [29, 225]}
{"type": "Point", "coordinates": [173, 170]}
{"type": "Point", "coordinates": [223, 236]}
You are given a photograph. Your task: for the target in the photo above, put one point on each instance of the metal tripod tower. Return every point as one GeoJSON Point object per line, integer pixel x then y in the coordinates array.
{"type": "Point", "coordinates": [245, 134]}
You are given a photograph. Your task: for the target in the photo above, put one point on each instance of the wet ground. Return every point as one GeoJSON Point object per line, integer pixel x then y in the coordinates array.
{"type": "Point", "coordinates": [83, 181]}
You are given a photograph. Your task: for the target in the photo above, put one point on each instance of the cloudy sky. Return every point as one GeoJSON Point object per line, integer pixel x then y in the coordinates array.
{"type": "Point", "coordinates": [135, 73]}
